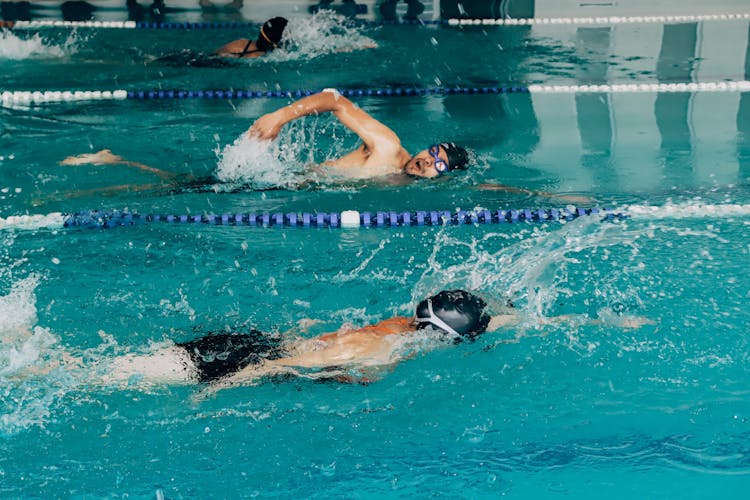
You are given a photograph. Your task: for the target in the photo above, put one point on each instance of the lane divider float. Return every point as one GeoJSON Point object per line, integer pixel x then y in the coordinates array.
{"type": "Point", "coordinates": [28, 97]}
{"type": "Point", "coordinates": [452, 22]}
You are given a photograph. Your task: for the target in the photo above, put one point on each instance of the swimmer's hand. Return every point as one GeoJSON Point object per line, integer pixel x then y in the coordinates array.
{"type": "Point", "coordinates": [103, 157]}
{"type": "Point", "coordinates": [267, 127]}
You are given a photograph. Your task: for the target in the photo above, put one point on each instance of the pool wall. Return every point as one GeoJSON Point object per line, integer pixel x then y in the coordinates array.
{"type": "Point", "coordinates": [258, 10]}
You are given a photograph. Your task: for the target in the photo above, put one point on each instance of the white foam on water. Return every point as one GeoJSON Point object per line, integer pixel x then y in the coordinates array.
{"type": "Point", "coordinates": [18, 309]}
{"type": "Point", "coordinates": [532, 267]}
{"type": "Point", "coordinates": [34, 47]}
{"type": "Point", "coordinates": [52, 220]}
{"type": "Point", "coordinates": [688, 210]}
{"type": "Point", "coordinates": [322, 33]}
{"type": "Point", "coordinates": [24, 402]}
{"type": "Point", "coordinates": [263, 164]}
{"type": "Point", "coordinates": [542, 267]}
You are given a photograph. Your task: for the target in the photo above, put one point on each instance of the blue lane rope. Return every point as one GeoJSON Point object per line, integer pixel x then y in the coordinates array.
{"type": "Point", "coordinates": [195, 25]}
{"type": "Point", "coordinates": [27, 97]}
{"type": "Point", "coordinates": [350, 218]}
{"type": "Point", "coordinates": [378, 92]}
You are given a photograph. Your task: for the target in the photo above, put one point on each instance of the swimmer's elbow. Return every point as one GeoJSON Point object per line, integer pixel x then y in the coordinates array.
{"type": "Point", "coordinates": [335, 102]}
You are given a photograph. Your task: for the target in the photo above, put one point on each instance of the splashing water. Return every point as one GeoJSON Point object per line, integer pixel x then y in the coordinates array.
{"type": "Point", "coordinates": [323, 33]}
{"type": "Point", "coordinates": [261, 164]}
{"type": "Point", "coordinates": [534, 269]}
{"type": "Point", "coordinates": [23, 403]}
{"type": "Point", "coordinates": [13, 47]}
{"type": "Point", "coordinates": [18, 309]}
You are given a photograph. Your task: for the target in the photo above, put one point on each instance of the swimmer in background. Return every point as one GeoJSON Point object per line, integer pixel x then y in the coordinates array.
{"type": "Point", "coordinates": [269, 38]}
{"type": "Point", "coordinates": [348, 355]}
{"type": "Point", "coordinates": [381, 153]}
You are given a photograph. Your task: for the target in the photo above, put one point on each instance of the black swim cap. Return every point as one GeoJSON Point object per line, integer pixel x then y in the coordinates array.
{"type": "Point", "coordinates": [458, 157]}
{"type": "Point", "coordinates": [271, 33]}
{"type": "Point", "coordinates": [459, 310]}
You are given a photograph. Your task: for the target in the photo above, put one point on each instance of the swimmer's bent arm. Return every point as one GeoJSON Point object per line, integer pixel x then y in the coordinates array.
{"type": "Point", "coordinates": [371, 131]}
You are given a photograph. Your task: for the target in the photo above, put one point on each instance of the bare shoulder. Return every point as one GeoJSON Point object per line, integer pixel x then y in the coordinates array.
{"type": "Point", "coordinates": [389, 326]}
{"type": "Point", "coordinates": [235, 46]}
{"type": "Point", "coordinates": [387, 154]}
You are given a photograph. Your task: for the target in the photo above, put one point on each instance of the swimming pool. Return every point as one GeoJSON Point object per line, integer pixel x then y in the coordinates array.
{"type": "Point", "coordinates": [541, 410]}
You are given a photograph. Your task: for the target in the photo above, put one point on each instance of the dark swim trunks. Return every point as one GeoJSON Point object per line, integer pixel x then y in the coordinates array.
{"type": "Point", "coordinates": [216, 356]}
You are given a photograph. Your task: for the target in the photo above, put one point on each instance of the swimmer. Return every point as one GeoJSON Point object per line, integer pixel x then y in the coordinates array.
{"type": "Point", "coordinates": [269, 38]}
{"type": "Point", "coordinates": [381, 154]}
{"type": "Point", "coordinates": [349, 355]}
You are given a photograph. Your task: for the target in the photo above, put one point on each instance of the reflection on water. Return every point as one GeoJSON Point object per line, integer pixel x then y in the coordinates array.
{"type": "Point", "coordinates": [743, 123]}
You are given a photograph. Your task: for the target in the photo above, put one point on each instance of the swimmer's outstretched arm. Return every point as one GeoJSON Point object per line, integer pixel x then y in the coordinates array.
{"type": "Point", "coordinates": [624, 321]}
{"type": "Point", "coordinates": [371, 131]}
{"type": "Point", "coordinates": [511, 189]}
{"type": "Point", "coordinates": [503, 321]}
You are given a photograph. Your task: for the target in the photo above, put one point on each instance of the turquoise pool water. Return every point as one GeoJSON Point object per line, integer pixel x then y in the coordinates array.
{"type": "Point", "coordinates": [542, 410]}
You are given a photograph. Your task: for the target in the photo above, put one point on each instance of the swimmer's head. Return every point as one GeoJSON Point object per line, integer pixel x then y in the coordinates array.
{"type": "Point", "coordinates": [454, 312]}
{"type": "Point", "coordinates": [438, 159]}
{"type": "Point", "coordinates": [271, 33]}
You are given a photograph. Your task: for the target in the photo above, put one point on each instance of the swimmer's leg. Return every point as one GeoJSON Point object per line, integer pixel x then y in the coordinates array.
{"type": "Point", "coordinates": [168, 365]}
{"type": "Point", "coordinates": [105, 157]}
{"type": "Point", "coordinates": [107, 191]}
{"type": "Point", "coordinates": [31, 355]}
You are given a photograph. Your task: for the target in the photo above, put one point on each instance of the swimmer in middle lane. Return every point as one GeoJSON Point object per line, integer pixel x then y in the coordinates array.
{"type": "Point", "coordinates": [380, 154]}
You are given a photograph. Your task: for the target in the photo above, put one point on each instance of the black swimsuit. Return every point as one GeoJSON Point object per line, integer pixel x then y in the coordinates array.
{"type": "Point", "coordinates": [187, 57]}
{"type": "Point", "coordinates": [245, 51]}
{"type": "Point", "coordinates": [219, 355]}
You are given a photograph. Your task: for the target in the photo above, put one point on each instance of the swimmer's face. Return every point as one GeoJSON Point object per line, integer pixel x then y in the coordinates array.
{"type": "Point", "coordinates": [428, 163]}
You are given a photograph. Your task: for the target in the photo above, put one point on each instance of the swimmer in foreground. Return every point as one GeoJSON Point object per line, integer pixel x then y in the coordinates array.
{"type": "Point", "coordinates": [349, 355]}
{"type": "Point", "coordinates": [380, 154]}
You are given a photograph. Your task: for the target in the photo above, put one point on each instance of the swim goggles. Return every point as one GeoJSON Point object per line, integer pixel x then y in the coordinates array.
{"type": "Point", "coordinates": [441, 166]}
{"type": "Point", "coordinates": [435, 321]}
{"type": "Point", "coordinates": [263, 34]}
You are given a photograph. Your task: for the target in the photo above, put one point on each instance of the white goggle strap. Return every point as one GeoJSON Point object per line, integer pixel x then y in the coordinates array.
{"type": "Point", "coordinates": [435, 321]}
